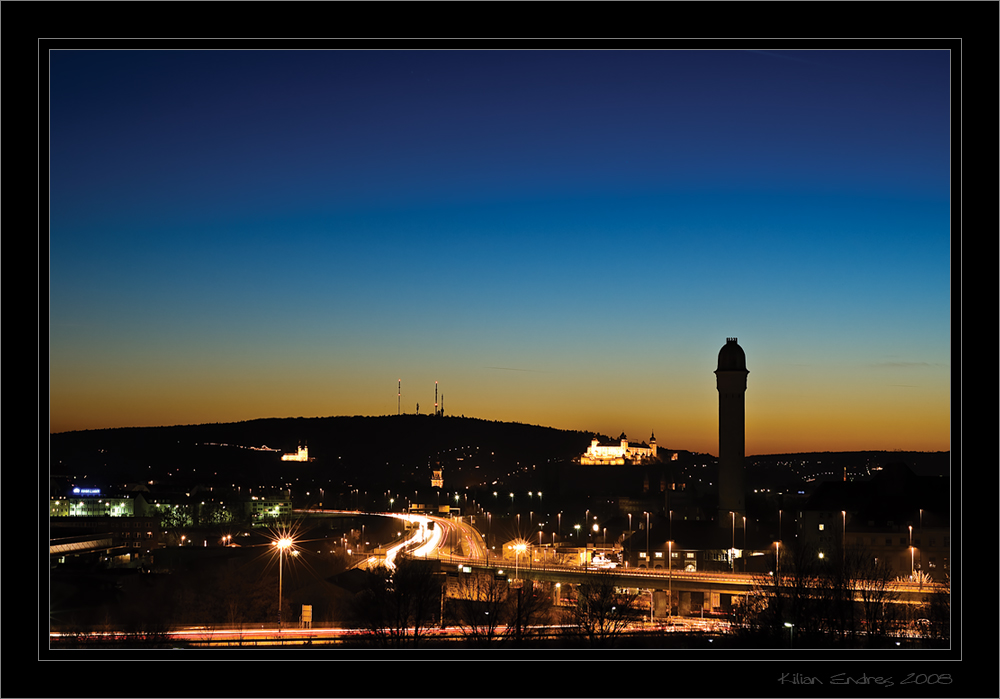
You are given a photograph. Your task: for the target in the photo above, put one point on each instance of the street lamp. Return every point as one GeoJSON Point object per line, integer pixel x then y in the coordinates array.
{"type": "Point", "coordinates": [744, 544]}
{"type": "Point", "coordinates": [519, 548]}
{"type": "Point", "coordinates": [732, 547]}
{"type": "Point", "coordinates": [628, 551]}
{"type": "Point", "coordinates": [670, 589]}
{"type": "Point", "coordinates": [911, 550]}
{"type": "Point", "coordinates": [791, 631]}
{"type": "Point", "coordinates": [282, 544]}
{"type": "Point", "coordinates": [843, 540]}
{"type": "Point", "coordinates": [647, 540]}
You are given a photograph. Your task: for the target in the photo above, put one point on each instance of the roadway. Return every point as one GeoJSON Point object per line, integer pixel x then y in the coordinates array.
{"type": "Point", "coordinates": [453, 540]}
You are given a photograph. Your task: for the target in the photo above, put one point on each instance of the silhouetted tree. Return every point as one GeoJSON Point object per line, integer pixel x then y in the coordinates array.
{"type": "Point", "coordinates": [785, 594]}
{"type": "Point", "coordinates": [493, 610]}
{"type": "Point", "coordinates": [603, 609]}
{"type": "Point", "coordinates": [845, 598]}
{"type": "Point", "coordinates": [529, 608]}
{"type": "Point", "coordinates": [397, 606]}
{"type": "Point", "coordinates": [938, 611]}
{"type": "Point", "coordinates": [227, 594]}
{"type": "Point", "coordinates": [481, 608]}
{"type": "Point", "coordinates": [878, 598]}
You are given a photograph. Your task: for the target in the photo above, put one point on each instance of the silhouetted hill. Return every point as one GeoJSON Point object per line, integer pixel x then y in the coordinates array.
{"type": "Point", "coordinates": [398, 452]}
{"type": "Point", "coordinates": [832, 463]}
{"type": "Point", "coordinates": [360, 450]}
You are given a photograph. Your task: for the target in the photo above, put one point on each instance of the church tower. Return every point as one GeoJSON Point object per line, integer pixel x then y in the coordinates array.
{"type": "Point", "coordinates": [731, 381]}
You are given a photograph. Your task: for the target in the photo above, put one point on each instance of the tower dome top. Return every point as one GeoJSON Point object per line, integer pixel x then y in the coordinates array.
{"type": "Point", "coordinates": [732, 357]}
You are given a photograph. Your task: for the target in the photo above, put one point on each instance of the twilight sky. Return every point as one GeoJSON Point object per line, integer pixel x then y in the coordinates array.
{"type": "Point", "coordinates": [562, 238]}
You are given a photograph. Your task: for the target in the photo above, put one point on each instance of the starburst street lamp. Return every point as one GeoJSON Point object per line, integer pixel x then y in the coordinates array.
{"type": "Point", "coordinates": [911, 551]}
{"type": "Point", "coordinates": [282, 541]}
{"type": "Point", "coordinates": [282, 544]}
{"type": "Point", "coordinates": [519, 548]}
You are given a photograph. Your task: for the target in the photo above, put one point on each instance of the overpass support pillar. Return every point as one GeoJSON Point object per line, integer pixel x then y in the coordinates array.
{"type": "Point", "coordinates": [660, 601]}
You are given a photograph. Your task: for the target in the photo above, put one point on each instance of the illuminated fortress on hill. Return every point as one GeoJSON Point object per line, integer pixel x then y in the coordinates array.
{"type": "Point", "coordinates": [620, 452]}
{"type": "Point", "coordinates": [301, 455]}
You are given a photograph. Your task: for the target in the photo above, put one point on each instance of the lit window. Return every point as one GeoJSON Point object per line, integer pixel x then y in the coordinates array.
{"type": "Point", "coordinates": [821, 527]}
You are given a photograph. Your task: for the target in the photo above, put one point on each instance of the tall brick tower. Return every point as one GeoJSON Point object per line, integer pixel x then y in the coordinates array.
{"type": "Point", "coordinates": [731, 381]}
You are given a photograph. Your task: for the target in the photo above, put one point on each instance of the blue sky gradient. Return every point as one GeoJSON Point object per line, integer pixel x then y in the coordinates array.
{"type": "Point", "coordinates": [563, 238]}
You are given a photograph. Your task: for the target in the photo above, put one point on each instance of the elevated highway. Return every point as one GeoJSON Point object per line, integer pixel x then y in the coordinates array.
{"type": "Point", "coordinates": [458, 542]}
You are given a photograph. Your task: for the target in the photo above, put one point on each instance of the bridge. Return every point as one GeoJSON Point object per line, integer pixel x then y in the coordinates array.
{"type": "Point", "coordinates": [458, 543]}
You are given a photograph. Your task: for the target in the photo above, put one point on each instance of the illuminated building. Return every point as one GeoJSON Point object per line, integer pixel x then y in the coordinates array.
{"type": "Point", "coordinates": [89, 502]}
{"type": "Point", "coordinates": [264, 510]}
{"type": "Point", "coordinates": [121, 540]}
{"type": "Point", "coordinates": [301, 455]}
{"type": "Point", "coordinates": [620, 452]}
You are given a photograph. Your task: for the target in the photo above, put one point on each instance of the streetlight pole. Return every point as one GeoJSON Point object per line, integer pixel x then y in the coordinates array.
{"type": "Point", "coordinates": [744, 544]}
{"type": "Point", "coordinates": [281, 558]}
{"type": "Point", "coordinates": [911, 550]}
{"type": "Point", "coordinates": [843, 540]}
{"type": "Point", "coordinates": [732, 546]}
{"type": "Point", "coordinates": [628, 553]}
{"type": "Point", "coordinates": [518, 549]}
{"type": "Point", "coordinates": [670, 588]}
{"type": "Point", "coordinates": [282, 544]}
{"type": "Point", "coordinates": [647, 541]}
